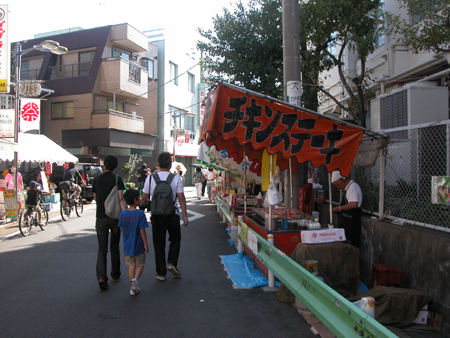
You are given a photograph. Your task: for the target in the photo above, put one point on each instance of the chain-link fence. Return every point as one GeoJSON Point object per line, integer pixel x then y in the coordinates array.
{"type": "Point", "coordinates": [413, 156]}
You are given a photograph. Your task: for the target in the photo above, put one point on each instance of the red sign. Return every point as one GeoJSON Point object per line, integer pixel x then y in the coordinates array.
{"type": "Point", "coordinates": [180, 140]}
{"type": "Point", "coordinates": [30, 112]}
{"type": "Point", "coordinates": [186, 136]}
{"type": "Point", "coordinates": [234, 118]}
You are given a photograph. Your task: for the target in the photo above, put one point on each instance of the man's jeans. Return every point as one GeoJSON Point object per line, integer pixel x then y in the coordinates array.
{"type": "Point", "coordinates": [103, 226]}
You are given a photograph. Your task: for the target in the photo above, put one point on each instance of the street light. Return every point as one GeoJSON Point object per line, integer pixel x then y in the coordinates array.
{"type": "Point", "coordinates": [44, 46]}
{"type": "Point", "coordinates": [175, 115]}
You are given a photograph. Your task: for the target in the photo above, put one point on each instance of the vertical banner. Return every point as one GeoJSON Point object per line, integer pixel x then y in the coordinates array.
{"type": "Point", "coordinates": [7, 122]}
{"type": "Point", "coordinates": [30, 114]}
{"type": "Point", "coordinates": [4, 49]}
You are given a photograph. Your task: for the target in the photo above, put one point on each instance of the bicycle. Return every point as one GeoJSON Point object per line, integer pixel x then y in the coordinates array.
{"type": "Point", "coordinates": [68, 203]}
{"type": "Point", "coordinates": [29, 218]}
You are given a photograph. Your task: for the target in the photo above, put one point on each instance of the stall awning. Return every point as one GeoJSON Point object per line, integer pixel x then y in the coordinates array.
{"type": "Point", "coordinates": [236, 117]}
{"type": "Point", "coordinates": [37, 148]}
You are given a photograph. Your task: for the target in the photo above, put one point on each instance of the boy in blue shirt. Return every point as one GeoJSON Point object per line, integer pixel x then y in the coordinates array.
{"type": "Point", "coordinates": [132, 223]}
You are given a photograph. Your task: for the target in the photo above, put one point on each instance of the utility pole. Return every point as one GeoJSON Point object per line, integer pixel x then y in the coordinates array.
{"type": "Point", "coordinates": [292, 87]}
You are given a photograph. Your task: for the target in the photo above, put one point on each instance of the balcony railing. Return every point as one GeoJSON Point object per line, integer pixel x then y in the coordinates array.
{"type": "Point", "coordinates": [29, 74]}
{"type": "Point", "coordinates": [72, 70]}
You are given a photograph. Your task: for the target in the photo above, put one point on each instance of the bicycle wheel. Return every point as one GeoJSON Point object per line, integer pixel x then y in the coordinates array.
{"type": "Point", "coordinates": [79, 207]}
{"type": "Point", "coordinates": [44, 219]}
{"type": "Point", "coordinates": [65, 211]}
{"type": "Point", "coordinates": [25, 223]}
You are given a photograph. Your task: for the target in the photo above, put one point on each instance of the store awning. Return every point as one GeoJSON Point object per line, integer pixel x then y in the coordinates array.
{"type": "Point", "coordinates": [236, 117]}
{"type": "Point", "coordinates": [37, 148]}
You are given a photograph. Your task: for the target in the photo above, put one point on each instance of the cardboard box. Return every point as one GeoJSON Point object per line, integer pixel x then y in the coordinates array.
{"type": "Point", "coordinates": [323, 236]}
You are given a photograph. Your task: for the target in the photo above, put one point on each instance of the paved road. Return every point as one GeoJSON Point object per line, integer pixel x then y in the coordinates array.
{"type": "Point", "coordinates": [48, 288]}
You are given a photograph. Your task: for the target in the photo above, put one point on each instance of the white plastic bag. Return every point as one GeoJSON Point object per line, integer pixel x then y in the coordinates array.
{"type": "Point", "coordinates": [273, 196]}
{"type": "Point", "coordinates": [367, 304]}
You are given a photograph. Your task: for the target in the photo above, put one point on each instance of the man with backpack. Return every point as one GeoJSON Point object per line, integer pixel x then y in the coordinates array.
{"type": "Point", "coordinates": [166, 188]}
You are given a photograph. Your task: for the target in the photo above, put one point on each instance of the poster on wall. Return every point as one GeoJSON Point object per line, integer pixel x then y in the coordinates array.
{"type": "Point", "coordinates": [440, 190]}
{"type": "Point", "coordinates": [4, 49]}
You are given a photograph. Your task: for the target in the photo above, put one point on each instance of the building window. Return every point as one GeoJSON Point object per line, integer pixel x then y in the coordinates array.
{"type": "Point", "coordinates": [174, 73]}
{"type": "Point", "coordinates": [150, 66]}
{"type": "Point", "coordinates": [62, 110]}
{"type": "Point", "coordinates": [119, 105]}
{"type": "Point", "coordinates": [191, 82]}
{"type": "Point", "coordinates": [85, 61]}
{"type": "Point", "coordinates": [181, 119]}
{"type": "Point", "coordinates": [120, 52]}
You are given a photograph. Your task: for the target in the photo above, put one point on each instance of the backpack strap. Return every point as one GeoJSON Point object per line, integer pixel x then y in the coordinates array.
{"type": "Point", "coordinates": [156, 178]}
{"type": "Point", "coordinates": [170, 178]}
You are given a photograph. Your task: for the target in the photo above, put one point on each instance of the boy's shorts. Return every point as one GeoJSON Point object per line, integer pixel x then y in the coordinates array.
{"type": "Point", "coordinates": [137, 260]}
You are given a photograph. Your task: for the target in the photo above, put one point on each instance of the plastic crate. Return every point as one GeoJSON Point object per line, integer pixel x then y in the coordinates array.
{"type": "Point", "coordinates": [386, 275]}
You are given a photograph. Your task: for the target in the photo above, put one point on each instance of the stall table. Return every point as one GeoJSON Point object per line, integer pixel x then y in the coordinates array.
{"type": "Point", "coordinates": [284, 240]}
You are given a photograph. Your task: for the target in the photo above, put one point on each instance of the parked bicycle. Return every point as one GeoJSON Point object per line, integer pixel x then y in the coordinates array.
{"type": "Point", "coordinates": [29, 218]}
{"type": "Point", "coordinates": [68, 204]}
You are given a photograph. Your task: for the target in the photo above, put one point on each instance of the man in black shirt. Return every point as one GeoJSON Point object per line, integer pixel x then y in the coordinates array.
{"type": "Point", "coordinates": [103, 184]}
{"type": "Point", "coordinates": [143, 173]}
{"type": "Point", "coordinates": [73, 176]}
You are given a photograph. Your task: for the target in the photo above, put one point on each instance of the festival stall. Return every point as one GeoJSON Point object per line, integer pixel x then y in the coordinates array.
{"type": "Point", "coordinates": [33, 148]}
{"type": "Point", "coordinates": [241, 124]}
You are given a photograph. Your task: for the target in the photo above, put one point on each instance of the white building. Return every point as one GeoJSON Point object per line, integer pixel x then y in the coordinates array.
{"type": "Point", "coordinates": [404, 88]}
{"type": "Point", "coordinates": [178, 98]}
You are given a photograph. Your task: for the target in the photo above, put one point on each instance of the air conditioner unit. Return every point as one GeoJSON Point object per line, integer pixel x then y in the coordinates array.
{"type": "Point", "coordinates": [413, 104]}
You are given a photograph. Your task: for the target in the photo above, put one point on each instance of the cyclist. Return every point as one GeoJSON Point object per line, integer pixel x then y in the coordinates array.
{"type": "Point", "coordinates": [32, 201]}
{"type": "Point", "coordinates": [72, 176]}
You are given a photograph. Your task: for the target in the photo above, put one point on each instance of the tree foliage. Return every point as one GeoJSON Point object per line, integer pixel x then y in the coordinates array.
{"type": "Point", "coordinates": [427, 26]}
{"type": "Point", "coordinates": [129, 169]}
{"type": "Point", "coordinates": [325, 24]}
{"type": "Point", "coordinates": [246, 47]}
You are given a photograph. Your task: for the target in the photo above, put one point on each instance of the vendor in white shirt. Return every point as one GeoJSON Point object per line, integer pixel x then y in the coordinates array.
{"type": "Point", "coordinates": [349, 209]}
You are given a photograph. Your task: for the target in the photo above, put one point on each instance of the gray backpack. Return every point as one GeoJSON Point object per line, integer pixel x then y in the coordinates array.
{"type": "Point", "coordinates": [162, 198]}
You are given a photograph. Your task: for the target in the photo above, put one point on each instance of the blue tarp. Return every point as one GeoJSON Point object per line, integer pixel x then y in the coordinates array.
{"type": "Point", "coordinates": [243, 272]}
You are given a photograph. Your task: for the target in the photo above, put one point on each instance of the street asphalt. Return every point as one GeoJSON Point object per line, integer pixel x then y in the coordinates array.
{"type": "Point", "coordinates": [48, 287]}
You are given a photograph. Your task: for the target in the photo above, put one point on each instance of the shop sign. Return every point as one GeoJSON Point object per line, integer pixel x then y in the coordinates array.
{"type": "Point", "coordinates": [9, 197]}
{"type": "Point", "coordinates": [4, 49]}
{"type": "Point", "coordinates": [7, 122]}
{"type": "Point", "coordinates": [235, 118]}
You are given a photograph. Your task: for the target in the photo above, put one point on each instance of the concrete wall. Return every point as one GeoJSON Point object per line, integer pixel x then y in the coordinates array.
{"type": "Point", "coordinates": [423, 254]}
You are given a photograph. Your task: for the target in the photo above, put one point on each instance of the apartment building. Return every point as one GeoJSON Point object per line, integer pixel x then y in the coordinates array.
{"type": "Point", "coordinates": [404, 88]}
{"type": "Point", "coordinates": [104, 98]}
{"type": "Point", "coordinates": [179, 97]}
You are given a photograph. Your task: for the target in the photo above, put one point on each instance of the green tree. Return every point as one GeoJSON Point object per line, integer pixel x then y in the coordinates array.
{"type": "Point", "coordinates": [246, 47]}
{"type": "Point", "coordinates": [129, 169]}
{"type": "Point", "coordinates": [328, 27]}
{"type": "Point", "coordinates": [427, 27]}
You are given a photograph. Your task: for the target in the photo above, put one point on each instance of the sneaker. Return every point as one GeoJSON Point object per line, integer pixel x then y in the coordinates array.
{"type": "Point", "coordinates": [161, 278]}
{"type": "Point", "coordinates": [174, 271]}
{"type": "Point", "coordinates": [134, 287]}
{"type": "Point", "coordinates": [132, 292]}
{"type": "Point", "coordinates": [103, 284]}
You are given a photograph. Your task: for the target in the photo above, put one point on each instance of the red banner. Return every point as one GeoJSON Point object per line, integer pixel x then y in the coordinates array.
{"type": "Point", "coordinates": [234, 118]}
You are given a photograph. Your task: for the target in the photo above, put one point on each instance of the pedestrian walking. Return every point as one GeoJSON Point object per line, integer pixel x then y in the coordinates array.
{"type": "Point", "coordinates": [104, 225]}
{"type": "Point", "coordinates": [198, 182]}
{"type": "Point", "coordinates": [142, 175]}
{"type": "Point", "coordinates": [133, 223]}
{"type": "Point", "coordinates": [210, 177]}
{"type": "Point", "coordinates": [165, 215]}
